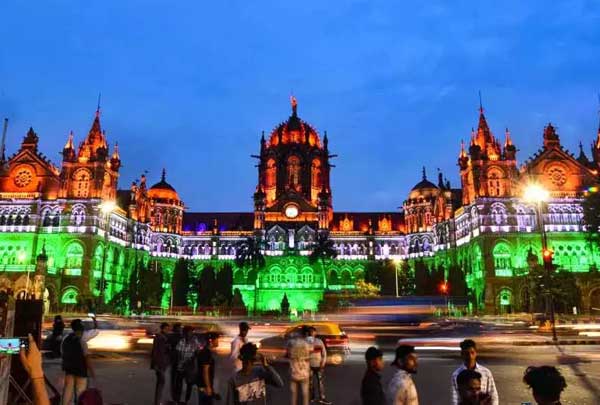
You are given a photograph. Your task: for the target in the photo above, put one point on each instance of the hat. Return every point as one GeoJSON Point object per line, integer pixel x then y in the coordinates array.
{"type": "Point", "coordinates": [372, 353]}
{"type": "Point", "coordinates": [244, 326]}
{"type": "Point", "coordinates": [401, 352]}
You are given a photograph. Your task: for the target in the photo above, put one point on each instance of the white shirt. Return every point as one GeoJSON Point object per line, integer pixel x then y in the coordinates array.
{"type": "Point", "coordinates": [402, 390]}
{"type": "Point", "coordinates": [487, 384]}
{"type": "Point", "coordinates": [236, 345]}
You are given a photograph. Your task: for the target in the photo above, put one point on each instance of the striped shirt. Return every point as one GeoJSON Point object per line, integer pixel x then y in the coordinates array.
{"type": "Point", "coordinates": [487, 384]}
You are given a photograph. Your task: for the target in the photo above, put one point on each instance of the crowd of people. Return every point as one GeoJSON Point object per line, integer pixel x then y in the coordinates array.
{"type": "Point", "coordinates": [189, 360]}
{"type": "Point", "coordinates": [471, 383]}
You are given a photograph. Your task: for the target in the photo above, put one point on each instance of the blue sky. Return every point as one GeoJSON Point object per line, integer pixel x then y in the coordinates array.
{"type": "Point", "coordinates": [189, 85]}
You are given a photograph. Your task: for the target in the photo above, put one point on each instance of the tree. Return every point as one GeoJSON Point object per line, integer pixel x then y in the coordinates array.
{"type": "Point", "coordinates": [237, 302]}
{"type": "Point", "coordinates": [562, 287]}
{"type": "Point", "coordinates": [366, 290]}
{"type": "Point", "coordinates": [207, 286]}
{"type": "Point", "coordinates": [181, 283]}
{"type": "Point", "coordinates": [224, 282]}
{"type": "Point", "coordinates": [422, 278]}
{"type": "Point", "coordinates": [132, 287]}
{"type": "Point", "coordinates": [285, 305]}
{"type": "Point", "coordinates": [457, 281]}
{"type": "Point", "coordinates": [150, 287]}
{"type": "Point", "coordinates": [322, 250]}
{"type": "Point", "coordinates": [249, 255]}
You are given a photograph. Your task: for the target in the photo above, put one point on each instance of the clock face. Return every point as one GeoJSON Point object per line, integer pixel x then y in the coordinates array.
{"type": "Point", "coordinates": [291, 211]}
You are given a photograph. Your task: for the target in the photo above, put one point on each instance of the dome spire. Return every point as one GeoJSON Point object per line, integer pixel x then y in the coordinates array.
{"type": "Point", "coordinates": [294, 104]}
{"type": "Point", "coordinates": [164, 175]}
{"type": "Point", "coordinates": [424, 174]}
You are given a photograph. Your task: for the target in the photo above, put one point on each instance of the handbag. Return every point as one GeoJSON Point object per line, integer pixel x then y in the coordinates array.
{"type": "Point", "coordinates": [91, 396]}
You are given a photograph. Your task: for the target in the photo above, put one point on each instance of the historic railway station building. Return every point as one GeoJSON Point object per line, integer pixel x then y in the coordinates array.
{"type": "Point", "coordinates": [483, 226]}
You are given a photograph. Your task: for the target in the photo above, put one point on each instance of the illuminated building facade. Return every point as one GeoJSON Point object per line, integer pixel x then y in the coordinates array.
{"type": "Point", "coordinates": [52, 228]}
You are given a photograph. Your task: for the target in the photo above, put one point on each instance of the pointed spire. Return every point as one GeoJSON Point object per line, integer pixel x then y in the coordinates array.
{"type": "Point", "coordinates": [3, 145]}
{"type": "Point", "coordinates": [115, 154]}
{"type": "Point", "coordinates": [69, 144]}
{"type": "Point", "coordinates": [163, 177]}
{"type": "Point", "coordinates": [582, 158]}
{"type": "Point", "coordinates": [424, 174]}
{"type": "Point", "coordinates": [463, 152]}
{"type": "Point", "coordinates": [598, 135]}
{"type": "Point", "coordinates": [480, 104]}
{"type": "Point", "coordinates": [98, 106]}
{"type": "Point", "coordinates": [507, 140]}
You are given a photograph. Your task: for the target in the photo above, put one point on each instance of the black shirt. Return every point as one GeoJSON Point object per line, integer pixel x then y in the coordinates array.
{"type": "Point", "coordinates": [371, 391]}
{"type": "Point", "coordinates": [205, 357]}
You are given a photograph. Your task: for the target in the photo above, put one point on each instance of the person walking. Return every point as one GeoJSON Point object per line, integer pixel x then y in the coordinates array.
{"type": "Point", "coordinates": [186, 349]}
{"type": "Point", "coordinates": [160, 360]}
{"type": "Point", "coordinates": [401, 388]}
{"type": "Point", "coordinates": [249, 385]}
{"type": "Point", "coordinates": [371, 390]}
{"type": "Point", "coordinates": [546, 383]}
{"type": "Point", "coordinates": [237, 343]}
{"type": "Point", "coordinates": [469, 389]}
{"type": "Point", "coordinates": [206, 370]}
{"type": "Point", "coordinates": [317, 359]}
{"type": "Point", "coordinates": [75, 360]}
{"type": "Point", "coordinates": [53, 342]}
{"type": "Point", "coordinates": [173, 339]}
{"type": "Point", "coordinates": [468, 352]}
{"type": "Point", "coordinates": [298, 352]}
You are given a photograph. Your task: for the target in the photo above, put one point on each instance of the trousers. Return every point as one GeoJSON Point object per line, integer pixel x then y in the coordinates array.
{"type": "Point", "coordinates": [301, 385]}
{"type": "Point", "coordinates": [73, 385]}
{"type": "Point", "coordinates": [160, 386]}
{"type": "Point", "coordinates": [316, 381]}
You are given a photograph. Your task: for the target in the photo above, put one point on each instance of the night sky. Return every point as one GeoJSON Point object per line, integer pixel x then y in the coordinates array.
{"type": "Point", "coordinates": [190, 86]}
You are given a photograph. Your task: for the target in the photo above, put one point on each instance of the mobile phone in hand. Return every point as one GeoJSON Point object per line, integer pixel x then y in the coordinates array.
{"type": "Point", "coordinates": [13, 345]}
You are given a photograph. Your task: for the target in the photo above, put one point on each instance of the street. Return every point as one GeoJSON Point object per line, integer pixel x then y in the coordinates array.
{"type": "Point", "coordinates": [127, 379]}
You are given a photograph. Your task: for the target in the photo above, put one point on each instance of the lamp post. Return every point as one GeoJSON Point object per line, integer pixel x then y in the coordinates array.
{"type": "Point", "coordinates": [107, 207]}
{"type": "Point", "coordinates": [396, 263]}
{"type": "Point", "coordinates": [536, 194]}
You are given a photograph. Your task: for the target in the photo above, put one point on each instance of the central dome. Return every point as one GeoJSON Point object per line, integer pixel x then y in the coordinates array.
{"type": "Point", "coordinates": [295, 131]}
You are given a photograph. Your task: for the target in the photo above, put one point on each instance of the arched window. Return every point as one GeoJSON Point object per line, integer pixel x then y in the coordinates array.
{"type": "Point", "coordinates": [271, 174]}
{"type": "Point", "coordinates": [502, 260]}
{"type": "Point", "coordinates": [77, 215]}
{"type": "Point", "coordinates": [316, 175]}
{"type": "Point", "coordinates": [293, 172]}
{"type": "Point", "coordinates": [346, 277]}
{"type": "Point", "coordinates": [81, 183]}
{"type": "Point", "coordinates": [74, 256]}
{"type": "Point", "coordinates": [495, 184]}
{"type": "Point", "coordinates": [498, 214]}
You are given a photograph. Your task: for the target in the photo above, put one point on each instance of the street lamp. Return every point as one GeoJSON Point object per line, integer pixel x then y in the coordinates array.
{"type": "Point", "coordinates": [106, 207]}
{"type": "Point", "coordinates": [397, 262]}
{"type": "Point", "coordinates": [534, 193]}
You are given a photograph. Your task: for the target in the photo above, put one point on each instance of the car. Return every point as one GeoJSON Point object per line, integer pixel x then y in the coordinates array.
{"type": "Point", "coordinates": [112, 336]}
{"type": "Point", "coordinates": [334, 338]}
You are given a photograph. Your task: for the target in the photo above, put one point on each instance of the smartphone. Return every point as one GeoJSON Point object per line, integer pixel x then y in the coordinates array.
{"type": "Point", "coordinates": [13, 345]}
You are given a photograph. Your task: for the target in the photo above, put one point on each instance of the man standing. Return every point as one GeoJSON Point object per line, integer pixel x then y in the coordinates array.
{"type": "Point", "coordinates": [468, 351]}
{"type": "Point", "coordinates": [75, 360]}
{"type": "Point", "coordinates": [249, 385]}
{"type": "Point", "coordinates": [186, 349]}
{"type": "Point", "coordinates": [469, 389]}
{"type": "Point", "coordinates": [401, 388]}
{"type": "Point", "coordinates": [174, 337]}
{"type": "Point", "coordinates": [318, 359]}
{"type": "Point", "coordinates": [160, 360]}
{"type": "Point", "coordinates": [371, 390]}
{"type": "Point", "coordinates": [206, 370]}
{"type": "Point", "coordinates": [237, 343]}
{"type": "Point", "coordinates": [298, 351]}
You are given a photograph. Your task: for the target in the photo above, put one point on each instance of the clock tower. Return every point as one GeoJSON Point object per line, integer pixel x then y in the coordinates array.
{"type": "Point", "coordinates": [293, 176]}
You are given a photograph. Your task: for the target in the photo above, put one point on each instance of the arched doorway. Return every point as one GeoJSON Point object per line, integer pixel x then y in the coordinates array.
{"type": "Point", "coordinates": [504, 301]}
{"type": "Point", "coordinates": [595, 301]}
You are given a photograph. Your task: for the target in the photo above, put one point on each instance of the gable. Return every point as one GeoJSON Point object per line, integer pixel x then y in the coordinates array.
{"type": "Point", "coordinates": [558, 171]}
